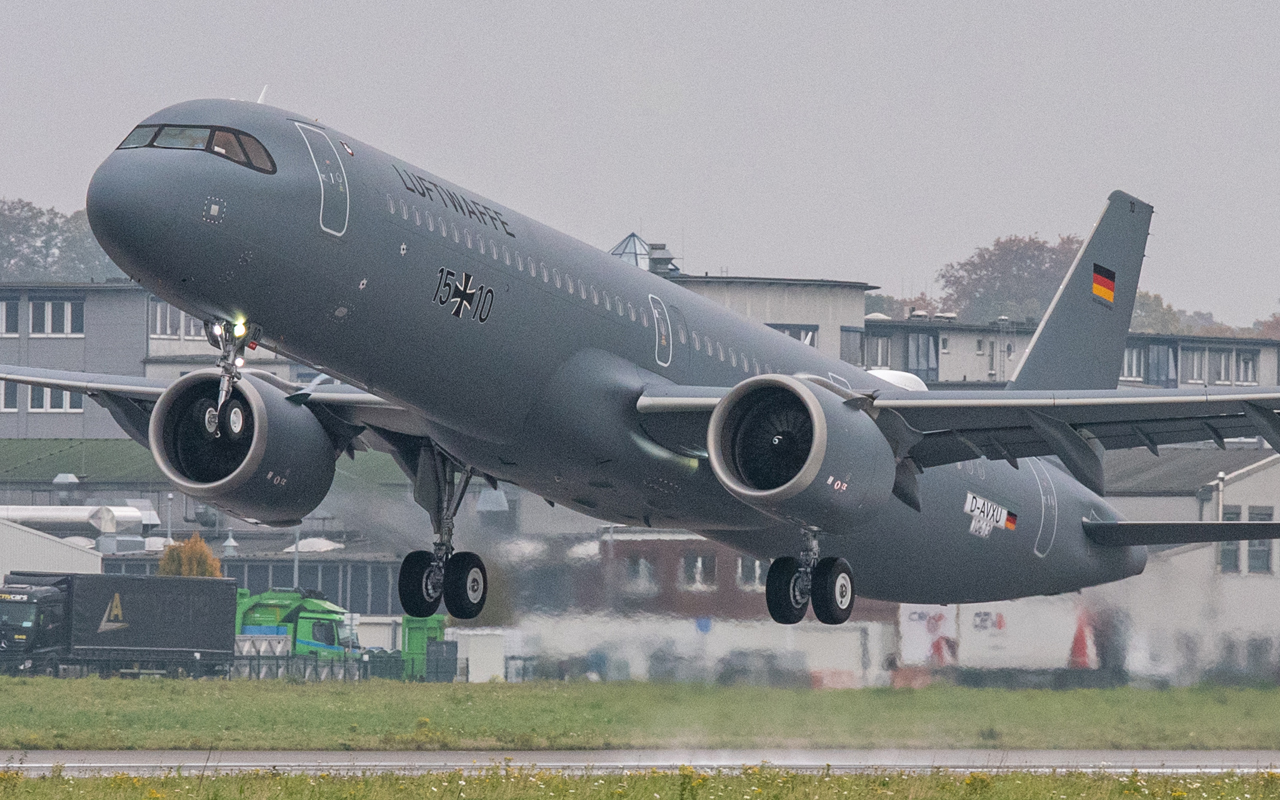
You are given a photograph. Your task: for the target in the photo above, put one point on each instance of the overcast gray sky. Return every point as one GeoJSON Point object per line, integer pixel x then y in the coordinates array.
{"type": "Point", "coordinates": [860, 141]}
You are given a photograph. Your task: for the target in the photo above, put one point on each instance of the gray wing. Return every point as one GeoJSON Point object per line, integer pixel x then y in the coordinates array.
{"type": "Point", "coordinates": [944, 427]}
{"type": "Point", "coordinates": [130, 400]}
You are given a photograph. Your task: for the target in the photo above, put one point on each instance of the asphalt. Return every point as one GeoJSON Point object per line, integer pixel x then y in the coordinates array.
{"type": "Point", "coordinates": [80, 763]}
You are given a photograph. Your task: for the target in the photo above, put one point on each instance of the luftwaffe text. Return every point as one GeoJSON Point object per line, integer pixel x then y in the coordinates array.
{"type": "Point", "coordinates": [453, 200]}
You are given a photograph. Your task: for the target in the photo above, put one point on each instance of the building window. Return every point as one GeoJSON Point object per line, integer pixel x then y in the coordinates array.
{"type": "Point", "coordinates": [752, 573]}
{"type": "Point", "coordinates": [944, 344]}
{"type": "Point", "coordinates": [698, 572]}
{"type": "Point", "coordinates": [851, 345]}
{"type": "Point", "coordinates": [1134, 363]}
{"type": "Point", "coordinates": [9, 312]}
{"type": "Point", "coordinates": [1260, 556]}
{"type": "Point", "coordinates": [1246, 366]}
{"type": "Point", "coordinates": [1193, 365]}
{"type": "Point", "coordinates": [10, 397]}
{"type": "Point", "coordinates": [1220, 366]}
{"type": "Point", "coordinates": [57, 318]}
{"type": "Point", "coordinates": [1229, 556]}
{"type": "Point", "coordinates": [806, 334]}
{"type": "Point", "coordinates": [1161, 368]}
{"type": "Point", "coordinates": [878, 351]}
{"type": "Point", "coordinates": [922, 356]}
{"type": "Point", "coordinates": [1231, 513]}
{"type": "Point", "coordinates": [640, 574]}
{"type": "Point", "coordinates": [54, 401]}
{"type": "Point", "coordinates": [166, 321]}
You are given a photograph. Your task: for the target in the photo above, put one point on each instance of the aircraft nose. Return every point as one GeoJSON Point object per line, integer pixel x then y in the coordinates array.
{"type": "Point", "coordinates": [125, 209]}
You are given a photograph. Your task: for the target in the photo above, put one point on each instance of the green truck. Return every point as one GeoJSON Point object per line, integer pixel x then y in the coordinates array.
{"type": "Point", "coordinates": [301, 622]}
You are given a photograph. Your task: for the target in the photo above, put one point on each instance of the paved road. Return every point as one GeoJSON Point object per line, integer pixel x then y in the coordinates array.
{"type": "Point", "coordinates": [153, 762]}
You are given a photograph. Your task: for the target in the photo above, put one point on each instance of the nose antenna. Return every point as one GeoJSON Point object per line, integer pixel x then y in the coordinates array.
{"type": "Point", "coordinates": [262, 97]}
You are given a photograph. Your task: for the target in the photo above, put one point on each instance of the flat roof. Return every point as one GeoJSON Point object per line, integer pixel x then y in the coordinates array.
{"type": "Point", "coordinates": [113, 285]}
{"type": "Point", "coordinates": [819, 282]}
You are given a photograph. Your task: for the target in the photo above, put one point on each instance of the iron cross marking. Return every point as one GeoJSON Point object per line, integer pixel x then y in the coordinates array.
{"type": "Point", "coordinates": [462, 296]}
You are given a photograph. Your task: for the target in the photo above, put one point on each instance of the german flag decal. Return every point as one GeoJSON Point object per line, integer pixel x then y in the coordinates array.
{"type": "Point", "coordinates": [1011, 521]}
{"type": "Point", "coordinates": [1104, 283]}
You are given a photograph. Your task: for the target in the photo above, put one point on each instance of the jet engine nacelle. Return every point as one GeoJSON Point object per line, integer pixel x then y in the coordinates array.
{"type": "Point", "coordinates": [276, 471]}
{"type": "Point", "coordinates": [795, 451]}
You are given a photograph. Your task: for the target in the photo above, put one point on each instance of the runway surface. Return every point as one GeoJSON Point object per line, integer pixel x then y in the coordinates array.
{"type": "Point", "coordinates": [158, 762]}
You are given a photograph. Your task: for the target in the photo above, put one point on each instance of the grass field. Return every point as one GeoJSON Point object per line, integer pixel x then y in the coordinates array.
{"type": "Point", "coordinates": [45, 713]}
{"type": "Point", "coordinates": [684, 785]}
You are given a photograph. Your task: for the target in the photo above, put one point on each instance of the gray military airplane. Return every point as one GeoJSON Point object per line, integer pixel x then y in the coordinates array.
{"type": "Point", "coordinates": [472, 341]}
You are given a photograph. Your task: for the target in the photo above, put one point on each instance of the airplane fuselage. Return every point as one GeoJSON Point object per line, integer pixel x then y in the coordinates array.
{"type": "Point", "coordinates": [522, 351]}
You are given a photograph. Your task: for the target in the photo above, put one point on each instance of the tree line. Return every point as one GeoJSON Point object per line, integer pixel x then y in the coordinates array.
{"type": "Point", "coordinates": [1017, 277]}
{"type": "Point", "coordinates": [45, 245]}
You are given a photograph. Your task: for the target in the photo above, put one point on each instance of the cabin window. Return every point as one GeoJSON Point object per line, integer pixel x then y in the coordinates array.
{"type": "Point", "coordinates": [631, 311]}
{"type": "Point", "coordinates": [568, 282]}
{"type": "Point", "coordinates": [644, 318]}
{"type": "Point", "coordinates": [617, 303]}
{"type": "Point", "coordinates": [493, 251]}
{"type": "Point", "coordinates": [680, 332]}
{"type": "Point", "coordinates": [595, 296]}
{"type": "Point", "coordinates": [720, 350]}
{"type": "Point", "coordinates": [697, 344]}
{"type": "Point", "coordinates": [556, 274]}
{"type": "Point", "coordinates": [506, 255]}
{"type": "Point", "coordinates": [546, 276]}
{"type": "Point", "coordinates": [391, 205]}
{"type": "Point", "coordinates": [466, 232]}
{"type": "Point", "coordinates": [480, 244]}
{"type": "Point", "coordinates": [444, 231]}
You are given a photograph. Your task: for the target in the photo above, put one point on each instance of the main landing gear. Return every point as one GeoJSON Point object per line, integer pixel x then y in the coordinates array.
{"type": "Point", "coordinates": [793, 583]}
{"type": "Point", "coordinates": [229, 417]}
{"type": "Point", "coordinates": [429, 576]}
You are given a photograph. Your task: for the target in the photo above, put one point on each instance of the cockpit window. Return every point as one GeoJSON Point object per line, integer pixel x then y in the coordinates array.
{"type": "Point", "coordinates": [258, 154]}
{"type": "Point", "coordinates": [230, 144]}
{"type": "Point", "coordinates": [140, 137]}
{"type": "Point", "coordinates": [182, 138]}
{"type": "Point", "coordinates": [225, 145]}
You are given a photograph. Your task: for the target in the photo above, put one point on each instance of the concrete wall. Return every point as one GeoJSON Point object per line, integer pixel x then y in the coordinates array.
{"type": "Point", "coordinates": [829, 306]}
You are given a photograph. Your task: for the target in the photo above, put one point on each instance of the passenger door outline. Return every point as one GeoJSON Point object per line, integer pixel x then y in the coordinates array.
{"type": "Point", "coordinates": [335, 198]}
{"type": "Point", "coordinates": [662, 332]}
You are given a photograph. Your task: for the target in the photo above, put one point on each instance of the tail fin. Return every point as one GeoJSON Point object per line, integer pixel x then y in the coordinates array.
{"type": "Point", "coordinates": [1080, 341]}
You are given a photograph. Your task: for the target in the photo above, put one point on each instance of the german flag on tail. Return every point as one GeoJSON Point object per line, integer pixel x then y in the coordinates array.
{"type": "Point", "coordinates": [1104, 283]}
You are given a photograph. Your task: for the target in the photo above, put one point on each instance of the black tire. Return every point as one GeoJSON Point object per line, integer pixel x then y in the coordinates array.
{"type": "Point", "coordinates": [832, 591]}
{"type": "Point", "coordinates": [204, 412]}
{"type": "Point", "coordinates": [413, 584]}
{"type": "Point", "coordinates": [781, 593]}
{"type": "Point", "coordinates": [466, 585]}
{"type": "Point", "coordinates": [235, 422]}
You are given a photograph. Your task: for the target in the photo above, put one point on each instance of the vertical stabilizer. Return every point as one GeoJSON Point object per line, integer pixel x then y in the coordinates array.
{"type": "Point", "coordinates": [1080, 342]}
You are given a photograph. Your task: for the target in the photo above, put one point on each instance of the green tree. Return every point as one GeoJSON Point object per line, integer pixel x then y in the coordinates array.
{"type": "Point", "coordinates": [1152, 315]}
{"type": "Point", "coordinates": [1016, 277]}
{"type": "Point", "coordinates": [191, 558]}
{"type": "Point", "coordinates": [42, 244]}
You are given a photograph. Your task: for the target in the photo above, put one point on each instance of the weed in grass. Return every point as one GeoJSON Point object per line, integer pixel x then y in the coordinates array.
{"type": "Point", "coordinates": [687, 784]}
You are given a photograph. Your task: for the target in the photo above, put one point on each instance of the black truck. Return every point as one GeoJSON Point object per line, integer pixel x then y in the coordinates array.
{"type": "Point", "coordinates": [82, 624]}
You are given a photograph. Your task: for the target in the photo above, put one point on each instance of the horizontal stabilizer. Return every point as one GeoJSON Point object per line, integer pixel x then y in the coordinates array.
{"type": "Point", "coordinates": [1130, 534]}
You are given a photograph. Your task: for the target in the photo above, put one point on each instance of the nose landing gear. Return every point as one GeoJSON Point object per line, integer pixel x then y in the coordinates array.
{"type": "Point", "coordinates": [427, 577]}
{"type": "Point", "coordinates": [793, 583]}
{"type": "Point", "coordinates": [229, 417]}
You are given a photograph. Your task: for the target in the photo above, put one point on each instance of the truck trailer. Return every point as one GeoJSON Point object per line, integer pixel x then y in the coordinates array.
{"type": "Point", "coordinates": [81, 624]}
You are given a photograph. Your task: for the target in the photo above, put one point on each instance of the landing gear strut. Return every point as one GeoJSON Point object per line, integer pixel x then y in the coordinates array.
{"type": "Point", "coordinates": [793, 583]}
{"type": "Point", "coordinates": [229, 417]}
{"type": "Point", "coordinates": [427, 577]}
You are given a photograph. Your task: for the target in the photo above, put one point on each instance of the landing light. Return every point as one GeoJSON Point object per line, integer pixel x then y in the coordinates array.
{"type": "Point", "coordinates": [217, 329]}
{"type": "Point", "coordinates": [239, 361]}
{"type": "Point", "coordinates": [239, 330]}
